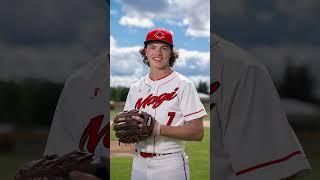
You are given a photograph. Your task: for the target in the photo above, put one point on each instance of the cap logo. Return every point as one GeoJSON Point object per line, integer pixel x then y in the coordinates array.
{"type": "Point", "coordinates": [159, 35]}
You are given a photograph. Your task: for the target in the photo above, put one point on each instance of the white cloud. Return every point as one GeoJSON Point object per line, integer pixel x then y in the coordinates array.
{"type": "Point", "coordinates": [239, 8]}
{"type": "Point", "coordinates": [297, 8]}
{"type": "Point", "coordinates": [264, 17]}
{"type": "Point", "coordinates": [279, 54]}
{"type": "Point", "coordinates": [125, 61]}
{"type": "Point", "coordinates": [200, 59]}
{"type": "Point", "coordinates": [49, 62]}
{"type": "Point", "coordinates": [112, 42]}
{"type": "Point", "coordinates": [228, 8]}
{"type": "Point", "coordinates": [197, 33]}
{"type": "Point", "coordinates": [197, 79]}
{"type": "Point", "coordinates": [123, 81]}
{"type": "Point", "coordinates": [194, 14]}
{"type": "Point", "coordinates": [276, 58]}
{"type": "Point", "coordinates": [44, 63]}
{"type": "Point", "coordinates": [136, 22]}
{"type": "Point", "coordinates": [127, 66]}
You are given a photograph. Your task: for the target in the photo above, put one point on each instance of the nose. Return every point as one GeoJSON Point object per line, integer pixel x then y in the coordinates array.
{"type": "Point", "coordinates": [158, 51]}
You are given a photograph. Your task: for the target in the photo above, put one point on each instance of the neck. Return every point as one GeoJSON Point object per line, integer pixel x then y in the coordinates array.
{"type": "Point", "coordinates": [156, 74]}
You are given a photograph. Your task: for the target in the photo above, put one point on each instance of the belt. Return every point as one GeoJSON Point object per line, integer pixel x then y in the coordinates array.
{"type": "Point", "coordinates": [148, 155]}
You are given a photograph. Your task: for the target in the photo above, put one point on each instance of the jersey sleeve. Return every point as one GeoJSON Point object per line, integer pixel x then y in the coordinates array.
{"type": "Point", "coordinates": [258, 137]}
{"type": "Point", "coordinates": [60, 140]}
{"type": "Point", "coordinates": [191, 106]}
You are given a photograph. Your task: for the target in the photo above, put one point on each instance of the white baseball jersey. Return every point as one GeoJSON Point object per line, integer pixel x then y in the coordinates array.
{"type": "Point", "coordinates": [172, 100]}
{"type": "Point", "coordinates": [81, 121]}
{"type": "Point", "coordinates": [251, 136]}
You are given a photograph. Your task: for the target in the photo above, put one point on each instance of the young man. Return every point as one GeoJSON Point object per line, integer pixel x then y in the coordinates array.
{"type": "Point", "coordinates": [173, 101]}
{"type": "Point", "coordinates": [251, 137]}
{"type": "Point", "coordinates": [81, 119]}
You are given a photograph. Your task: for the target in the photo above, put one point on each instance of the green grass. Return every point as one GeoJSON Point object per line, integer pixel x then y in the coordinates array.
{"type": "Point", "coordinates": [11, 162]}
{"type": "Point", "coordinates": [314, 160]}
{"type": "Point", "coordinates": [199, 161]}
{"type": "Point", "coordinates": [120, 168]}
{"type": "Point", "coordinates": [199, 157]}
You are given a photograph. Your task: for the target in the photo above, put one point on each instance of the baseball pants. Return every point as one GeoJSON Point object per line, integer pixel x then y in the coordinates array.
{"type": "Point", "coordinates": [173, 166]}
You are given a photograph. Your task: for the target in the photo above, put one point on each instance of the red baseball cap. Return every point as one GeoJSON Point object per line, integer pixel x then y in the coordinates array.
{"type": "Point", "coordinates": [159, 34]}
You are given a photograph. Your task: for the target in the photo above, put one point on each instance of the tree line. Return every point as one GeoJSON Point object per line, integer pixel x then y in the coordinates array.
{"type": "Point", "coordinates": [28, 103]}
{"type": "Point", "coordinates": [33, 101]}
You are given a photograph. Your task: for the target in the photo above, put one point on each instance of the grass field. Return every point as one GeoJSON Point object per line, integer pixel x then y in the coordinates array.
{"type": "Point", "coordinates": [198, 152]}
{"type": "Point", "coordinates": [199, 156]}
{"type": "Point", "coordinates": [10, 162]}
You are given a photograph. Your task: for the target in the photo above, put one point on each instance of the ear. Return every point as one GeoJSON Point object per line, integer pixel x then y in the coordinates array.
{"type": "Point", "coordinates": [145, 50]}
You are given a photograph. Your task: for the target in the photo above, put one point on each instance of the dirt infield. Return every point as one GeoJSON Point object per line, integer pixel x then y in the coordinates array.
{"type": "Point", "coordinates": [120, 149]}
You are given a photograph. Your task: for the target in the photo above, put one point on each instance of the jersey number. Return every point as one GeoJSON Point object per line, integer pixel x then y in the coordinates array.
{"type": "Point", "coordinates": [171, 117]}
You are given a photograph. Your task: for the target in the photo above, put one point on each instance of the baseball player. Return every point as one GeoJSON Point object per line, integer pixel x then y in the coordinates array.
{"type": "Point", "coordinates": [81, 118]}
{"type": "Point", "coordinates": [251, 137]}
{"type": "Point", "coordinates": [173, 101]}
{"type": "Point", "coordinates": [81, 121]}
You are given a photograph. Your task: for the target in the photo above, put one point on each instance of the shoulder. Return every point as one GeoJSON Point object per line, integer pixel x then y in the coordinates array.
{"type": "Point", "coordinates": [95, 68]}
{"type": "Point", "coordinates": [233, 58]}
{"type": "Point", "coordinates": [183, 80]}
{"type": "Point", "coordinates": [138, 84]}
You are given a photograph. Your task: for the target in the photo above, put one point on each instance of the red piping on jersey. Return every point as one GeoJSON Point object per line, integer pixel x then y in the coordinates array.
{"type": "Point", "coordinates": [193, 113]}
{"type": "Point", "coordinates": [162, 77]}
{"type": "Point", "coordinates": [155, 110]}
{"type": "Point", "coordinates": [184, 167]}
{"type": "Point", "coordinates": [155, 113]}
{"type": "Point", "coordinates": [268, 163]}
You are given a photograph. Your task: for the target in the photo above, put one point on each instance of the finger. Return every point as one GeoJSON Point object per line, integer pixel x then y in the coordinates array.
{"type": "Point", "coordinates": [137, 118]}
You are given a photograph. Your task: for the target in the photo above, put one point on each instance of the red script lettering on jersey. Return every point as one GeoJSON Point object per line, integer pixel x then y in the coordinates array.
{"type": "Point", "coordinates": [213, 88]}
{"type": "Point", "coordinates": [155, 101]}
{"type": "Point", "coordinates": [92, 135]}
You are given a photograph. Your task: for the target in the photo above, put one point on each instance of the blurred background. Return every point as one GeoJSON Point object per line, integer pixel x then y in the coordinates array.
{"type": "Point", "coordinates": [41, 43]}
{"type": "Point", "coordinates": [283, 35]}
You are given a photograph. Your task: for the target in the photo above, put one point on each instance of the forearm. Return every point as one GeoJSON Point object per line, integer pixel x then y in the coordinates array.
{"type": "Point", "coordinates": [192, 131]}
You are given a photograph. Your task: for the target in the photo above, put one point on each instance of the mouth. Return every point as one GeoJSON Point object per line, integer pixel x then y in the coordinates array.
{"type": "Point", "coordinates": [157, 59]}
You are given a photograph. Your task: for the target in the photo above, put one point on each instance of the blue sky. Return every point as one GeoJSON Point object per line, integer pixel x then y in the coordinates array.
{"type": "Point", "coordinates": [272, 31]}
{"type": "Point", "coordinates": [51, 39]}
{"type": "Point", "coordinates": [129, 23]}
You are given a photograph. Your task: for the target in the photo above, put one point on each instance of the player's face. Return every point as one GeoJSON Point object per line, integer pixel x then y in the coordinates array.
{"type": "Point", "coordinates": [158, 55]}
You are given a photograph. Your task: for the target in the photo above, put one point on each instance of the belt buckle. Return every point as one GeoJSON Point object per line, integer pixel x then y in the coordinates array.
{"type": "Point", "coordinates": [147, 155]}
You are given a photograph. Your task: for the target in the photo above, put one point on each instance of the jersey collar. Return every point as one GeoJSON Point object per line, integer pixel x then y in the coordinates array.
{"type": "Point", "coordinates": [166, 78]}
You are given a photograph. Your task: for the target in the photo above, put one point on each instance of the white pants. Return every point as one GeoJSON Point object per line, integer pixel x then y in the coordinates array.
{"type": "Point", "coordinates": [164, 167]}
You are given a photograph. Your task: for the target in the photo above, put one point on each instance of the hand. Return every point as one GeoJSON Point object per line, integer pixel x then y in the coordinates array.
{"type": "Point", "coordinates": [156, 129]}
{"type": "Point", "coordinates": [76, 175]}
{"type": "Point", "coordinates": [139, 119]}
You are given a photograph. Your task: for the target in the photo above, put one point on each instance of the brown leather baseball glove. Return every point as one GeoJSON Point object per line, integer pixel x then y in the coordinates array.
{"type": "Point", "coordinates": [55, 167]}
{"type": "Point", "coordinates": [129, 130]}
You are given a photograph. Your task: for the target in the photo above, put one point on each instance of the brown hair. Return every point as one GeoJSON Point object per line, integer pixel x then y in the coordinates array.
{"type": "Point", "coordinates": [172, 60]}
